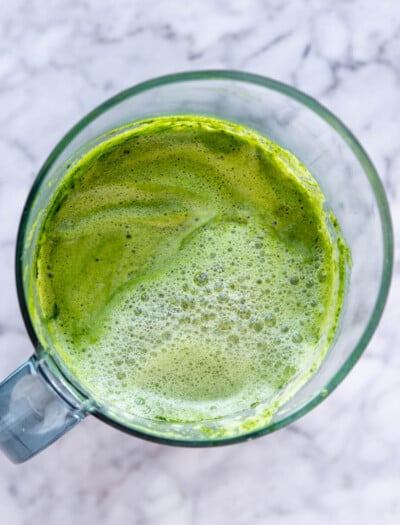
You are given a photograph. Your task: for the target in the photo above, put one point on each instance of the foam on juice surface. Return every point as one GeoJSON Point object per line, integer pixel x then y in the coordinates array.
{"type": "Point", "coordinates": [187, 271]}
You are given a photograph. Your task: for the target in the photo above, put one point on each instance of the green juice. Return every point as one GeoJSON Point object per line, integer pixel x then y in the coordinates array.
{"type": "Point", "coordinates": [187, 270]}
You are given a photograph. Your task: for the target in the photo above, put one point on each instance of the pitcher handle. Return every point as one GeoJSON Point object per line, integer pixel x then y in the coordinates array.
{"type": "Point", "coordinates": [34, 411]}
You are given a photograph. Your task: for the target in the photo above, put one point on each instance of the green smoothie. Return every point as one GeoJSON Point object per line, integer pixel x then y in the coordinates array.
{"type": "Point", "coordinates": [187, 270]}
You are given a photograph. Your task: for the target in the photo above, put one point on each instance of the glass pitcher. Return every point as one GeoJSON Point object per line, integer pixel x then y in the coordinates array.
{"type": "Point", "coordinates": [42, 399]}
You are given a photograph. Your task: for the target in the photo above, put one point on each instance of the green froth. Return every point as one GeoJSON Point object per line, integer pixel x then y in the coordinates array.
{"type": "Point", "coordinates": [187, 271]}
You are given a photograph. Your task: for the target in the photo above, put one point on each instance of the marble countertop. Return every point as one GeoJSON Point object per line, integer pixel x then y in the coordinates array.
{"type": "Point", "coordinates": [340, 464]}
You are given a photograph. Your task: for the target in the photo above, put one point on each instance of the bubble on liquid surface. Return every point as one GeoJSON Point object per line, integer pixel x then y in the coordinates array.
{"type": "Point", "coordinates": [215, 349]}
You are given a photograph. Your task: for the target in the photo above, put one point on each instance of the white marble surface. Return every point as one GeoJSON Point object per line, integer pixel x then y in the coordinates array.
{"type": "Point", "coordinates": [341, 463]}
